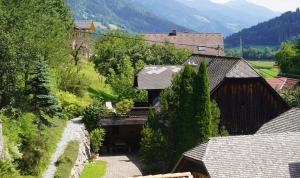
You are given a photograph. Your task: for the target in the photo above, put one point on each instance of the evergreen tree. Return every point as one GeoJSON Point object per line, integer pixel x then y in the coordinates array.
{"type": "Point", "coordinates": [202, 106]}
{"type": "Point", "coordinates": [184, 136]}
{"type": "Point", "coordinates": [42, 98]}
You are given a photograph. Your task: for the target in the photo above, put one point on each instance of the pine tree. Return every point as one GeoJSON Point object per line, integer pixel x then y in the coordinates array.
{"type": "Point", "coordinates": [42, 99]}
{"type": "Point", "coordinates": [202, 106]}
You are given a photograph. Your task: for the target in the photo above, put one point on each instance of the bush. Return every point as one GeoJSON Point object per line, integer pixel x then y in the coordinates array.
{"type": "Point", "coordinates": [124, 106]}
{"type": "Point", "coordinates": [7, 170]}
{"type": "Point", "coordinates": [96, 138]}
{"type": "Point", "coordinates": [292, 97]}
{"type": "Point", "coordinates": [70, 79]}
{"type": "Point", "coordinates": [67, 160]}
{"type": "Point", "coordinates": [71, 104]}
{"type": "Point", "coordinates": [92, 114]}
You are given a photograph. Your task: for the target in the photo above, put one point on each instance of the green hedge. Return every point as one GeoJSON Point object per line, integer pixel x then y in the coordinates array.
{"type": "Point", "coordinates": [67, 160]}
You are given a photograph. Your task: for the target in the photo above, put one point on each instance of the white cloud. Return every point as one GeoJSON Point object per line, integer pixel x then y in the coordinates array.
{"type": "Point", "coordinates": [276, 5]}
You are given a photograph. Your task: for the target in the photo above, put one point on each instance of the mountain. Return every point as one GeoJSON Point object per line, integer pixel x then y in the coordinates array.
{"type": "Point", "coordinates": [272, 32]}
{"type": "Point", "coordinates": [234, 15]}
{"type": "Point", "coordinates": [121, 14]}
{"type": "Point", "coordinates": [163, 15]}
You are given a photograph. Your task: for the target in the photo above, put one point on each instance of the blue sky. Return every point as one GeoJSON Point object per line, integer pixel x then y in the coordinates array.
{"type": "Point", "coordinates": [276, 5]}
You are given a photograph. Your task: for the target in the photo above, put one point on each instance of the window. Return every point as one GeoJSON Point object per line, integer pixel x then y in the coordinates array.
{"type": "Point", "coordinates": [201, 48]}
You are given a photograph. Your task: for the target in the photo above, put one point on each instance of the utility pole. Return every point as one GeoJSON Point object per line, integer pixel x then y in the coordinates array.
{"type": "Point", "coordinates": [241, 46]}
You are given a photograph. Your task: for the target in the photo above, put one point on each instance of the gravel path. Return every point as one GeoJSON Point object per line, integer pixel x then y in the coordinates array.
{"type": "Point", "coordinates": [71, 132]}
{"type": "Point", "coordinates": [122, 166]}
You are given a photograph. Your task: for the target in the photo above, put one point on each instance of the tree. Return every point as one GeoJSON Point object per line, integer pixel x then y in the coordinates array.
{"type": "Point", "coordinates": [184, 122]}
{"type": "Point", "coordinates": [203, 118]}
{"type": "Point", "coordinates": [286, 56]}
{"type": "Point", "coordinates": [42, 98]}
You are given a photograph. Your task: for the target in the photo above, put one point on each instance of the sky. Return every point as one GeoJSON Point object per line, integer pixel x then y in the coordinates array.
{"type": "Point", "coordinates": [275, 5]}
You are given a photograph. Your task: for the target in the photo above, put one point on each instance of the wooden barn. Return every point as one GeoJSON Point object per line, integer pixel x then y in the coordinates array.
{"type": "Point", "coordinates": [245, 99]}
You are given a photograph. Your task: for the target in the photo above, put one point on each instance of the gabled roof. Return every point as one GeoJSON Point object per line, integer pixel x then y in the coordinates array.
{"type": "Point", "coordinates": [261, 155]}
{"type": "Point", "coordinates": [283, 83]}
{"type": "Point", "coordinates": [218, 68]}
{"type": "Point", "coordinates": [210, 42]}
{"type": "Point", "coordinates": [286, 122]}
{"type": "Point", "coordinates": [83, 24]}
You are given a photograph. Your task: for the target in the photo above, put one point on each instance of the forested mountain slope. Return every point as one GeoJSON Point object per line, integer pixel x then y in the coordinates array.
{"type": "Point", "coordinates": [272, 32]}
{"type": "Point", "coordinates": [121, 14]}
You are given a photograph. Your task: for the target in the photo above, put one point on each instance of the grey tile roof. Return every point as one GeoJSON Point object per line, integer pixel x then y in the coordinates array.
{"type": "Point", "coordinates": [218, 68]}
{"type": "Point", "coordinates": [157, 77]}
{"type": "Point", "coordinates": [286, 122]}
{"type": "Point", "coordinates": [259, 156]}
{"type": "Point", "coordinates": [83, 24]}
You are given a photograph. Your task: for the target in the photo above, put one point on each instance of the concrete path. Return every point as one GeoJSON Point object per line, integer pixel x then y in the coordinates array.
{"type": "Point", "coordinates": [122, 166]}
{"type": "Point", "coordinates": [71, 132]}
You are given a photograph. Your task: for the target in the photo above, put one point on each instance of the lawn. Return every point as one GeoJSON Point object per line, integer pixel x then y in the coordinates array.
{"type": "Point", "coordinates": [97, 87]}
{"type": "Point", "coordinates": [267, 69]}
{"type": "Point", "coordinates": [94, 170]}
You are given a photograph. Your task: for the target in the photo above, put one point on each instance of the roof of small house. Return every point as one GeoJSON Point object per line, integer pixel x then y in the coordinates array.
{"type": "Point", "coordinates": [283, 83]}
{"type": "Point", "coordinates": [83, 24]}
{"type": "Point", "coordinates": [261, 155]}
{"type": "Point", "coordinates": [219, 68]}
{"type": "Point", "coordinates": [286, 122]}
{"type": "Point", "coordinates": [209, 42]}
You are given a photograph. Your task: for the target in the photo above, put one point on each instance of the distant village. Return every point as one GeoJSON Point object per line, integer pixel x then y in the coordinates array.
{"type": "Point", "coordinates": [264, 130]}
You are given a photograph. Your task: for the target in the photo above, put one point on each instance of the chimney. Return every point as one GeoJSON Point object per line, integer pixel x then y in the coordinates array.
{"type": "Point", "coordinates": [173, 32]}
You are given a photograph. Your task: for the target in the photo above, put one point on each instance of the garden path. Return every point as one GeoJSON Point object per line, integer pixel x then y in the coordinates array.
{"type": "Point", "coordinates": [72, 131]}
{"type": "Point", "coordinates": [122, 166]}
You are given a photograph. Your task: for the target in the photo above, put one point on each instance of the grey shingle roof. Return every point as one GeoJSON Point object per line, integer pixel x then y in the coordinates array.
{"type": "Point", "coordinates": [157, 77]}
{"type": "Point", "coordinates": [83, 24]}
{"type": "Point", "coordinates": [218, 68]}
{"type": "Point", "coordinates": [261, 155]}
{"type": "Point", "coordinates": [286, 122]}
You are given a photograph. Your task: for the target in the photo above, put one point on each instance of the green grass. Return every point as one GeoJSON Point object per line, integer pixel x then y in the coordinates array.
{"type": "Point", "coordinates": [67, 160]}
{"type": "Point", "coordinates": [267, 69]}
{"type": "Point", "coordinates": [94, 170]}
{"type": "Point", "coordinates": [97, 87]}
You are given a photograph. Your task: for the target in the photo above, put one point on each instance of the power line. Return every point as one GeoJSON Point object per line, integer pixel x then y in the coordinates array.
{"type": "Point", "coordinates": [154, 41]}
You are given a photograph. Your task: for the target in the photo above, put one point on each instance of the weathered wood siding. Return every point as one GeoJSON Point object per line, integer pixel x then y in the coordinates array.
{"type": "Point", "coordinates": [246, 104]}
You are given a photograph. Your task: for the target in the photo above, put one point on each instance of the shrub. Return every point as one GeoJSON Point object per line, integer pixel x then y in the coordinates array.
{"type": "Point", "coordinates": [70, 79]}
{"type": "Point", "coordinates": [67, 160]}
{"type": "Point", "coordinates": [71, 104]}
{"type": "Point", "coordinates": [92, 114]}
{"type": "Point", "coordinates": [124, 106]}
{"type": "Point", "coordinates": [7, 170]}
{"type": "Point", "coordinates": [96, 138]}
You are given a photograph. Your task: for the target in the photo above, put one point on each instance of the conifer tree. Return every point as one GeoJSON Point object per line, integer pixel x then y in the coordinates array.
{"type": "Point", "coordinates": [202, 106]}
{"type": "Point", "coordinates": [185, 114]}
{"type": "Point", "coordinates": [42, 98]}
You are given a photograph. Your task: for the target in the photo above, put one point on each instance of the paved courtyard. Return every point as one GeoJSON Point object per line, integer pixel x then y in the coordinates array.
{"type": "Point", "coordinates": [121, 166]}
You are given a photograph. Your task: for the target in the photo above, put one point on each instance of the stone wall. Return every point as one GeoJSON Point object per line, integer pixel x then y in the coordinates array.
{"type": "Point", "coordinates": [83, 154]}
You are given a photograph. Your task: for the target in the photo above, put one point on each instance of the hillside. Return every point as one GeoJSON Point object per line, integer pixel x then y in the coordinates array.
{"type": "Point", "coordinates": [283, 28]}
{"type": "Point", "coordinates": [161, 16]}
{"type": "Point", "coordinates": [121, 14]}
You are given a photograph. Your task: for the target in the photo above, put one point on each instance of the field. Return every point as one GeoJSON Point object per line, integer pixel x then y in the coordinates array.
{"type": "Point", "coordinates": [267, 69]}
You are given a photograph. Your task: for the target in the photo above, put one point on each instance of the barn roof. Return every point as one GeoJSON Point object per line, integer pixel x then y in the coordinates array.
{"type": "Point", "coordinates": [283, 83]}
{"type": "Point", "coordinates": [219, 68]}
{"type": "Point", "coordinates": [261, 155]}
{"type": "Point", "coordinates": [207, 42]}
{"type": "Point", "coordinates": [286, 122]}
{"type": "Point", "coordinates": [83, 24]}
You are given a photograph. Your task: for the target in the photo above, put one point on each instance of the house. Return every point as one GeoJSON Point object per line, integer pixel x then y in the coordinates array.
{"type": "Point", "coordinates": [260, 155]}
{"type": "Point", "coordinates": [286, 122]}
{"type": "Point", "coordinates": [82, 41]}
{"type": "Point", "coordinates": [283, 83]}
{"type": "Point", "coordinates": [198, 43]}
{"type": "Point", "coordinates": [245, 99]}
